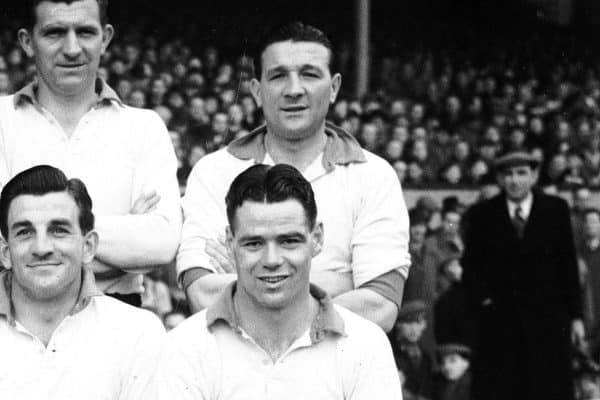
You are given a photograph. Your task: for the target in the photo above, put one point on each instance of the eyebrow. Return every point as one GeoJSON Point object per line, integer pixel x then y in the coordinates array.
{"type": "Point", "coordinates": [54, 222]}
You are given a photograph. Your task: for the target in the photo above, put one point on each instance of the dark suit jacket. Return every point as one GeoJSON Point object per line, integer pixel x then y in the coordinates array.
{"type": "Point", "coordinates": [524, 293]}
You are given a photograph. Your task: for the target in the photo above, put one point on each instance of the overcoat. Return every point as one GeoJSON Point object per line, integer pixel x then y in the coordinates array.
{"type": "Point", "coordinates": [524, 293]}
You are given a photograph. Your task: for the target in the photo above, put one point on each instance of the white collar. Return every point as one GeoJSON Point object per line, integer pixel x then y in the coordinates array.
{"type": "Point", "coordinates": [525, 205]}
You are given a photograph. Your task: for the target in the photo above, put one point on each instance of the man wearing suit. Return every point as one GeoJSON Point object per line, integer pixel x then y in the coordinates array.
{"type": "Point", "coordinates": [521, 275]}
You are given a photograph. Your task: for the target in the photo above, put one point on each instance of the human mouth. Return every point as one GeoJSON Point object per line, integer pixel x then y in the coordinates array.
{"type": "Point", "coordinates": [43, 264]}
{"type": "Point", "coordinates": [292, 109]}
{"type": "Point", "coordinates": [273, 279]}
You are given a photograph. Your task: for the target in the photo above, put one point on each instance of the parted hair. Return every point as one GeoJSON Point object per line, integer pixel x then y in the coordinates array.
{"type": "Point", "coordinates": [271, 184]}
{"type": "Point", "coordinates": [41, 180]}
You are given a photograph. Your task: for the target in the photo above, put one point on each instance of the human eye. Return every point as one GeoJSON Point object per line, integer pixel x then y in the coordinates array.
{"type": "Point", "coordinates": [59, 231]}
{"type": "Point", "coordinates": [276, 76]}
{"type": "Point", "coordinates": [252, 244]}
{"type": "Point", "coordinates": [311, 73]}
{"type": "Point", "coordinates": [290, 242]}
{"type": "Point", "coordinates": [53, 32]}
{"type": "Point", "coordinates": [23, 233]}
{"type": "Point", "coordinates": [87, 32]}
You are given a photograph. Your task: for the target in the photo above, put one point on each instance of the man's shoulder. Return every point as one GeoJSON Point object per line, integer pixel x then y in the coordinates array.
{"type": "Point", "coordinates": [219, 166]}
{"type": "Point", "coordinates": [357, 328]}
{"type": "Point", "coordinates": [117, 312]}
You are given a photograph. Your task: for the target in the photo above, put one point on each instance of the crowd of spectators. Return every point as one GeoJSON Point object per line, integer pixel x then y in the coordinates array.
{"type": "Point", "coordinates": [439, 115]}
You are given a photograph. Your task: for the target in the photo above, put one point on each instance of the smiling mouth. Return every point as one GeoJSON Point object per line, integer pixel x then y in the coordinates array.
{"type": "Point", "coordinates": [43, 264]}
{"type": "Point", "coordinates": [273, 279]}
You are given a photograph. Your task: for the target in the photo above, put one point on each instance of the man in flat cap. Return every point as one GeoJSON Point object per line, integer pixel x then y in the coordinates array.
{"type": "Point", "coordinates": [521, 276]}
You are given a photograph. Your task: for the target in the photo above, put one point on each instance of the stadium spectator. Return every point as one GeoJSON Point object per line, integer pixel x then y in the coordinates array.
{"type": "Point", "coordinates": [454, 379]}
{"type": "Point", "coordinates": [525, 335]}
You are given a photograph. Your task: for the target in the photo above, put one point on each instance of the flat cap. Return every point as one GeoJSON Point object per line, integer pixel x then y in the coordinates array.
{"type": "Point", "coordinates": [412, 311]}
{"type": "Point", "coordinates": [517, 158]}
{"type": "Point", "coordinates": [453, 348]}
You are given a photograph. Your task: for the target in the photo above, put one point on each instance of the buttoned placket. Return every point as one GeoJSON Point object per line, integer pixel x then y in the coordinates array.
{"type": "Point", "coordinates": [271, 370]}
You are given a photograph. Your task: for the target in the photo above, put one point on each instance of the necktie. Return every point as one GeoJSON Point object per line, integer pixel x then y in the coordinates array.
{"type": "Point", "coordinates": [519, 222]}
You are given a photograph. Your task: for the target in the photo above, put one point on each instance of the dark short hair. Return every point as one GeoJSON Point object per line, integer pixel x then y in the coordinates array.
{"type": "Point", "coordinates": [271, 184]}
{"type": "Point", "coordinates": [296, 32]}
{"type": "Point", "coordinates": [31, 17]}
{"type": "Point", "coordinates": [41, 180]}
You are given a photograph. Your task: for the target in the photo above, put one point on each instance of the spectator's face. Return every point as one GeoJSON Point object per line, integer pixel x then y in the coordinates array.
{"type": "Point", "coordinates": [196, 109]}
{"type": "Point", "coordinates": [394, 149]}
{"type": "Point", "coordinates": [123, 88]}
{"type": "Point", "coordinates": [296, 88]}
{"type": "Point", "coordinates": [453, 174]}
{"type": "Point", "coordinates": [417, 113]}
{"type": "Point", "coordinates": [461, 151]}
{"type": "Point", "coordinates": [45, 248]}
{"type": "Point", "coordinates": [4, 82]}
{"type": "Point", "coordinates": [272, 247]}
{"type": "Point", "coordinates": [219, 123]}
{"type": "Point", "coordinates": [158, 88]}
{"type": "Point", "coordinates": [235, 114]}
{"type": "Point", "coordinates": [175, 100]}
{"type": "Point", "coordinates": [478, 170]}
{"type": "Point", "coordinates": [451, 222]}
{"type": "Point", "coordinates": [536, 125]}
{"type": "Point", "coordinates": [66, 43]}
{"type": "Point", "coordinates": [164, 113]}
{"type": "Point", "coordinates": [400, 168]}
{"type": "Point", "coordinates": [211, 105]}
{"type": "Point", "coordinates": [454, 270]}
{"type": "Point", "coordinates": [411, 331]}
{"type": "Point", "coordinates": [117, 67]}
{"type": "Point", "coordinates": [591, 225]}
{"type": "Point", "coordinates": [557, 166]}
{"type": "Point", "coordinates": [196, 153]}
{"type": "Point", "coordinates": [369, 135]}
{"type": "Point", "coordinates": [248, 105]}
{"type": "Point", "coordinates": [15, 58]}
{"type": "Point", "coordinates": [581, 198]}
{"type": "Point", "coordinates": [400, 133]}
{"type": "Point", "coordinates": [137, 98]}
{"type": "Point", "coordinates": [415, 173]}
{"type": "Point", "coordinates": [454, 366]}
{"type": "Point", "coordinates": [517, 181]}
{"type": "Point", "coordinates": [420, 150]}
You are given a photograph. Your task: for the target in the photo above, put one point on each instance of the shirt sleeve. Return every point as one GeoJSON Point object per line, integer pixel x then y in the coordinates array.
{"type": "Point", "coordinates": [388, 285]}
{"type": "Point", "coordinates": [380, 240]}
{"type": "Point", "coordinates": [373, 373]}
{"type": "Point", "coordinates": [135, 240]}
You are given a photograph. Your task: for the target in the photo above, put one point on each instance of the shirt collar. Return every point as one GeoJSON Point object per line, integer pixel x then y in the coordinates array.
{"type": "Point", "coordinates": [327, 319]}
{"type": "Point", "coordinates": [525, 205]}
{"type": "Point", "coordinates": [340, 148]}
{"type": "Point", "coordinates": [106, 95]}
{"type": "Point", "coordinates": [87, 291]}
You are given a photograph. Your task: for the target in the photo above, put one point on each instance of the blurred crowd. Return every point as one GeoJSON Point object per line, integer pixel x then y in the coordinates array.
{"type": "Point", "coordinates": [439, 114]}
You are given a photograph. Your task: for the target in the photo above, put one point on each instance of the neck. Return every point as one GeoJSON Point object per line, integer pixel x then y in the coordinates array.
{"type": "Point", "coordinates": [275, 330]}
{"type": "Point", "coordinates": [42, 316]}
{"type": "Point", "coordinates": [298, 153]}
{"type": "Point", "coordinates": [67, 109]}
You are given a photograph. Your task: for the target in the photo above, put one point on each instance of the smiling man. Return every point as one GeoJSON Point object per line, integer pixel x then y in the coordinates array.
{"type": "Point", "coordinates": [272, 334]}
{"type": "Point", "coordinates": [521, 274]}
{"type": "Point", "coordinates": [71, 119]}
{"type": "Point", "coordinates": [60, 338]}
{"type": "Point", "coordinates": [365, 258]}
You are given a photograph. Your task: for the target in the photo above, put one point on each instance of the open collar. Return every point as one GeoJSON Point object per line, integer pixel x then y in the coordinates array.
{"type": "Point", "coordinates": [106, 95]}
{"type": "Point", "coordinates": [87, 291]}
{"type": "Point", "coordinates": [341, 148]}
{"type": "Point", "coordinates": [326, 321]}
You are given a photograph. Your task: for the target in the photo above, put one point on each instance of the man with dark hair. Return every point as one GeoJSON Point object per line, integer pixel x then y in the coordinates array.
{"type": "Point", "coordinates": [271, 333]}
{"type": "Point", "coordinates": [365, 256]}
{"type": "Point", "coordinates": [520, 273]}
{"type": "Point", "coordinates": [60, 338]}
{"type": "Point", "coordinates": [69, 118]}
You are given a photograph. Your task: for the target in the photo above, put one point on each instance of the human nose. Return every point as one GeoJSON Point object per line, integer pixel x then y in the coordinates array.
{"type": "Point", "coordinates": [272, 256]}
{"type": "Point", "coordinates": [42, 246]}
{"type": "Point", "coordinates": [294, 86]}
{"type": "Point", "coordinates": [71, 45]}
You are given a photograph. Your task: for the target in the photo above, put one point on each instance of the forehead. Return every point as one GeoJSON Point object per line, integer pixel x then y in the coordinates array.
{"type": "Point", "coordinates": [76, 13]}
{"type": "Point", "coordinates": [290, 54]}
{"type": "Point", "coordinates": [518, 169]}
{"type": "Point", "coordinates": [270, 219]}
{"type": "Point", "coordinates": [42, 209]}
